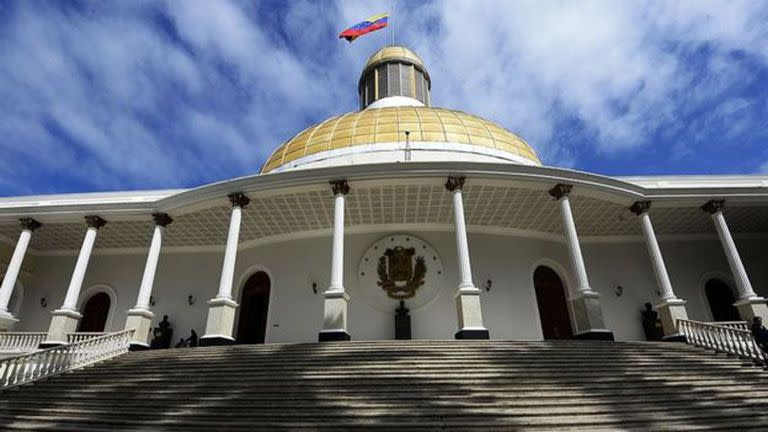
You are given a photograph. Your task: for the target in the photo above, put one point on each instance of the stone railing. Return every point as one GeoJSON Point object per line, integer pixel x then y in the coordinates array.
{"type": "Point", "coordinates": [15, 371]}
{"type": "Point", "coordinates": [81, 336]}
{"type": "Point", "coordinates": [742, 325]}
{"type": "Point", "coordinates": [722, 338]}
{"type": "Point", "coordinates": [19, 342]}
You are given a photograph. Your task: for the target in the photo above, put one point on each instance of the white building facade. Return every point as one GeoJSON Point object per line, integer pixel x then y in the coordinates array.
{"type": "Point", "coordinates": [444, 211]}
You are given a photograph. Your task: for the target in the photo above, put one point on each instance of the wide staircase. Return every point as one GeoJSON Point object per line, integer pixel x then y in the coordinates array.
{"type": "Point", "coordinates": [401, 385]}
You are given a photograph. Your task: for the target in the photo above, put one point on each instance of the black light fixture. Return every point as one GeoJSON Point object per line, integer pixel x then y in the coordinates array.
{"type": "Point", "coordinates": [191, 299]}
{"type": "Point", "coordinates": [488, 285]}
{"type": "Point", "coordinates": [43, 302]}
{"type": "Point", "coordinates": [152, 300]}
{"type": "Point", "coordinates": [314, 287]}
{"type": "Point", "coordinates": [619, 290]}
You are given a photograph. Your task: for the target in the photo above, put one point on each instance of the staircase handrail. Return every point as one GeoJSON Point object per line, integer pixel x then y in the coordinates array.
{"type": "Point", "coordinates": [81, 336]}
{"type": "Point", "coordinates": [20, 341]}
{"type": "Point", "coordinates": [26, 368]}
{"type": "Point", "coordinates": [722, 338]}
{"type": "Point", "coordinates": [743, 325]}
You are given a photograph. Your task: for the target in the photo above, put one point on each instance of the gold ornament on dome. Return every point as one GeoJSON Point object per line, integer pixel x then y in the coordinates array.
{"type": "Point", "coordinates": [398, 275]}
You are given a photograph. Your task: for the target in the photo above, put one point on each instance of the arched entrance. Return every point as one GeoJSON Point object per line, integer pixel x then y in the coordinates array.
{"type": "Point", "coordinates": [95, 313]}
{"type": "Point", "coordinates": [254, 305]}
{"type": "Point", "coordinates": [720, 298]}
{"type": "Point", "coordinates": [553, 306]}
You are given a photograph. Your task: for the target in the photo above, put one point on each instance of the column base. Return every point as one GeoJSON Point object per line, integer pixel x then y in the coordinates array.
{"type": "Point", "coordinates": [669, 312]}
{"type": "Point", "coordinates": [138, 347]}
{"type": "Point", "coordinates": [64, 321]}
{"type": "Point", "coordinates": [221, 320]}
{"type": "Point", "coordinates": [206, 341]}
{"type": "Point", "coordinates": [479, 334]}
{"type": "Point", "coordinates": [601, 335]}
{"type": "Point", "coordinates": [7, 321]}
{"type": "Point", "coordinates": [334, 316]}
{"type": "Point", "coordinates": [333, 336]}
{"type": "Point", "coordinates": [470, 314]}
{"type": "Point", "coordinates": [588, 317]}
{"type": "Point", "coordinates": [140, 320]}
{"type": "Point", "coordinates": [752, 307]}
{"type": "Point", "coordinates": [674, 338]}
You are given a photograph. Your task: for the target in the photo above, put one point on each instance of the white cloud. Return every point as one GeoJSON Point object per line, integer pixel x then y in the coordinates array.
{"type": "Point", "coordinates": [148, 94]}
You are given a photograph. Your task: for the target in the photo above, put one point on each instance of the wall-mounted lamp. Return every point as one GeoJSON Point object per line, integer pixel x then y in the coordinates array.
{"type": "Point", "coordinates": [619, 290]}
{"type": "Point", "coordinates": [152, 300]}
{"type": "Point", "coordinates": [191, 299]}
{"type": "Point", "coordinates": [314, 287]}
{"type": "Point", "coordinates": [43, 302]}
{"type": "Point", "coordinates": [488, 285]}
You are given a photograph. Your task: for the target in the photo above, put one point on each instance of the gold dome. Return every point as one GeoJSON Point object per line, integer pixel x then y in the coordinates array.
{"type": "Point", "coordinates": [387, 125]}
{"type": "Point", "coordinates": [391, 53]}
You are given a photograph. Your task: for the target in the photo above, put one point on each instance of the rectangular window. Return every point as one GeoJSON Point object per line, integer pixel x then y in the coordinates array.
{"type": "Point", "coordinates": [393, 70]}
{"type": "Point", "coordinates": [405, 80]}
{"type": "Point", "coordinates": [369, 88]}
{"type": "Point", "coordinates": [383, 85]}
{"type": "Point", "coordinates": [419, 86]}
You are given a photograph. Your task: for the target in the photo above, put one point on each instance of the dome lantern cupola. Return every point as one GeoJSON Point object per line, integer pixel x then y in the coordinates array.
{"type": "Point", "coordinates": [394, 72]}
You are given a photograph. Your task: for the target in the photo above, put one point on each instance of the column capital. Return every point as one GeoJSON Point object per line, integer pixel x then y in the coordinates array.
{"type": "Point", "coordinates": [339, 187]}
{"type": "Point", "coordinates": [94, 221]}
{"type": "Point", "coordinates": [640, 207]}
{"type": "Point", "coordinates": [238, 199]}
{"type": "Point", "coordinates": [30, 224]}
{"type": "Point", "coordinates": [455, 183]}
{"type": "Point", "coordinates": [560, 190]}
{"type": "Point", "coordinates": [162, 219]}
{"type": "Point", "coordinates": [714, 206]}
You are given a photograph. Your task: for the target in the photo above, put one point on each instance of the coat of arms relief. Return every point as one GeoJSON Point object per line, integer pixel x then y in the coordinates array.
{"type": "Point", "coordinates": [399, 267]}
{"type": "Point", "coordinates": [400, 274]}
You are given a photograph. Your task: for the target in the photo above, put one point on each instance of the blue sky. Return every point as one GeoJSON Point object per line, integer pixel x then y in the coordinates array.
{"type": "Point", "coordinates": [120, 95]}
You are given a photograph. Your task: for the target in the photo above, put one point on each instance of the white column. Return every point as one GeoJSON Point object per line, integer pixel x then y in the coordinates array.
{"type": "Point", "coordinates": [560, 192]}
{"type": "Point", "coordinates": [14, 266]}
{"type": "Point", "coordinates": [66, 318]}
{"type": "Point", "coordinates": [585, 305]}
{"type": "Point", "coordinates": [337, 253]}
{"type": "Point", "coordinates": [140, 317]}
{"type": "Point", "coordinates": [230, 252]}
{"type": "Point", "coordinates": [7, 320]}
{"type": "Point", "coordinates": [336, 300]}
{"type": "Point", "coordinates": [150, 268]}
{"type": "Point", "coordinates": [468, 307]}
{"type": "Point", "coordinates": [76, 282]}
{"type": "Point", "coordinates": [671, 309]}
{"type": "Point", "coordinates": [641, 208]}
{"type": "Point", "coordinates": [715, 208]}
{"type": "Point", "coordinates": [221, 310]}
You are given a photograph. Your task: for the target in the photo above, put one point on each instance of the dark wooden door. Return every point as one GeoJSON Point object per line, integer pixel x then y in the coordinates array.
{"type": "Point", "coordinates": [254, 305]}
{"type": "Point", "coordinates": [553, 306]}
{"type": "Point", "coordinates": [721, 300]}
{"type": "Point", "coordinates": [95, 313]}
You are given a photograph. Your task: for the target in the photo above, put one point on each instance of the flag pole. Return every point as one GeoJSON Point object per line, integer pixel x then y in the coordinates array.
{"type": "Point", "coordinates": [391, 16]}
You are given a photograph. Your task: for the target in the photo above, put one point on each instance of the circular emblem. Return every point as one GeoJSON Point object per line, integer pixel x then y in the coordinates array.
{"type": "Point", "coordinates": [400, 267]}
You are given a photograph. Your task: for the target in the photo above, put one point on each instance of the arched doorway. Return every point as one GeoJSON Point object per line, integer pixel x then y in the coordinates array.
{"type": "Point", "coordinates": [254, 305]}
{"type": "Point", "coordinates": [553, 306]}
{"type": "Point", "coordinates": [720, 298]}
{"type": "Point", "coordinates": [95, 313]}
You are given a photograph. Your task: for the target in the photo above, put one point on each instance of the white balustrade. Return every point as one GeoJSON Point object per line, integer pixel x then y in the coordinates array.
{"type": "Point", "coordinates": [18, 342]}
{"type": "Point", "coordinates": [81, 336]}
{"type": "Point", "coordinates": [731, 338]}
{"type": "Point", "coordinates": [15, 371]}
{"type": "Point", "coordinates": [742, 325]}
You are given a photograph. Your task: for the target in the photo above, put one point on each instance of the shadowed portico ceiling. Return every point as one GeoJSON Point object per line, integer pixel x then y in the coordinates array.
{"type": "Point", "coordinates": [486, 206]}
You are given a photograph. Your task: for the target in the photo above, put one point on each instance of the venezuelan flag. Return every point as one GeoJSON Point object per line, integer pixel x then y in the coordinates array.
{"type": "Point", "coordinates": [371, 24]}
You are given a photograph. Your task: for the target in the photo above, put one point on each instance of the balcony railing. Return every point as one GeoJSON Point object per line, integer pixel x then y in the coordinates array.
{"type": "Point", "coordinates": [742, 325]}
{"type": "Point", "coordinates": [20, 342]}
{"type": "Point", "coordinates": [15, 371]}
{"type": "Point", "coordinates": [722, 338]}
